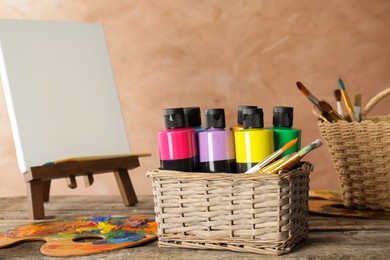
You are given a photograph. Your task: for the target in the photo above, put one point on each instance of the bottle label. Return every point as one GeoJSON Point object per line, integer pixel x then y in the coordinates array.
{"type": "Point", "coordinates": [253, 146]}
{"type": "Point", "coordinates": [216, 146]}
{"type": "Point", "coordinates": [177, 144]}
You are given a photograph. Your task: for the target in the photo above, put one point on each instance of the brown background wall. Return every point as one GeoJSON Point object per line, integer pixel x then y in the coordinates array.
{"type": "Point", "coordinates": [220, 53]}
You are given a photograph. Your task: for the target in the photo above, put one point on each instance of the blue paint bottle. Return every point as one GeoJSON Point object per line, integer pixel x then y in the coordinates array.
{"type": "Point", "coordinates": [193, 119]}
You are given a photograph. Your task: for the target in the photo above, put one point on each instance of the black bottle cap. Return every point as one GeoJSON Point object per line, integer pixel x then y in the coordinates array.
{"type": "Point", "coordinates": [192, 116]}
{"type": "Point", "coordinates": [253, 118]}
{"type": "Point", "coordinates": [215, 118]}
{"type": "Point", "coordinates": [283, 116]}
{"type": "Point", "coordinates": [174, 118]}
{"type": "Point", "coordinates": [239, 113]}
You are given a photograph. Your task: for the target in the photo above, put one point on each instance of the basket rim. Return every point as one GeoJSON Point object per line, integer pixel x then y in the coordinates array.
{"type": "Point", "coordinates": [372, 120]}
{"type": "Point", "coordinates": [304, 168]}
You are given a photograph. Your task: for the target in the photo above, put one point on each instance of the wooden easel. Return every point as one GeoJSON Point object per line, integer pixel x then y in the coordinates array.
{"type": "Point", "coordinates": [39, 178]}
{"type": "Point", "coordinates": [76, 109]}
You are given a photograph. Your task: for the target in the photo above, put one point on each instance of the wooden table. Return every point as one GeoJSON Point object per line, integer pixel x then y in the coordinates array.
{"type": "Point", "coordinates": [329, 237]}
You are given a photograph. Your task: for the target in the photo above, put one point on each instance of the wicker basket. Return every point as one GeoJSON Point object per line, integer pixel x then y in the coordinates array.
{"type": "Point", "coordinates": [259, 213]}
{"type": "Point", "coordinates": [361, 155]}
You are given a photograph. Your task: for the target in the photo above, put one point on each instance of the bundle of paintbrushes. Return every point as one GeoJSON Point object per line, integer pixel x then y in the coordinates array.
{"type": "Point", "coordinates": [269, 165]}
{"type": "Point", "coordinates": [325, 112]}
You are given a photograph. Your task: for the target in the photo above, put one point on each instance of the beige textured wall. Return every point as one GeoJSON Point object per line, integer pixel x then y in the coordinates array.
{"type": "Point", "coordinates": [220, 53]}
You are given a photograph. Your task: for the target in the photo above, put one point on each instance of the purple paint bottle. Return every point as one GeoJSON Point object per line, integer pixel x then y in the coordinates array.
{"type": "Point", "coordinates": [216, 145]}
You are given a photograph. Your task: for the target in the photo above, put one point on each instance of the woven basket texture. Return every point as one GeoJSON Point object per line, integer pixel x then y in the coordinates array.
{"type": "Point", "coordinates": [260, 213]}
{"type": "Point", "coordinates": [361, 155]}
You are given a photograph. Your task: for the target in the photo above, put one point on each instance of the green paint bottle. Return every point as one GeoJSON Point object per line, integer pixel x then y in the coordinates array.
{"type": "Point", "coordinates": [283, 130]}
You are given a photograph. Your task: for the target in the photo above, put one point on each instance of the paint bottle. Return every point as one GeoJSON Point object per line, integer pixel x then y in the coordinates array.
{"type": "Point", "coordinates": [240, 125]}
{"type": "Point", "coordinates": [177, 144]}
{"type": "Point", "coordinates": [193, 119]}
{"type": "Point", "coordinates": [216, 145]}
{"type": "Point", "coordinates": [253, 143]}
{"type": "Point", "coordinates": [283, 130]}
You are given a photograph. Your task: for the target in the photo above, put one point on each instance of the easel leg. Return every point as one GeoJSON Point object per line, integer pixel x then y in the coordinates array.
{"type": "Point", "coordinates": [35, 199]}
{"type": "Point", "coordinates": [126, 187]}
{"type": "Point", "coordinates": [46, 190]}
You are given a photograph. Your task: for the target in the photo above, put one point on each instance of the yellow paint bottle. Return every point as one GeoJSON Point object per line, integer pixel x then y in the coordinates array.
{"type": "Point", "coordinates": [254, 143]}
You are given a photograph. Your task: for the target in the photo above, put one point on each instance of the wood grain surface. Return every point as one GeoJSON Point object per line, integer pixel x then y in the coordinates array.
{"type": "Point", "coordinates": [329, 237]}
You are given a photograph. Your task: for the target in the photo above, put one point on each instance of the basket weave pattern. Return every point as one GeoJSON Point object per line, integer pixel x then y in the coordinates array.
{"type": "Point", "coordinates": [361, 155]}
{"type": "Point", "coordinates": [259, 213]}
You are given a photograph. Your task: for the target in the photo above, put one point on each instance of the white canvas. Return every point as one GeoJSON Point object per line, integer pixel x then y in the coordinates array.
{"type": "Point", "coordinates": [60, 91]}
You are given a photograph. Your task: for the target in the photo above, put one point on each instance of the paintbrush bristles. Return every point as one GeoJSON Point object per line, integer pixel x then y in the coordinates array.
{"type": "Point", "coordinates": [325, 106]}
{"type": "Point", "coordinates": [303, 89]}
{"type": "Point", "coordinates": [329, 113]}
{"type": "Point", "coordinates": [307, 93]}
{"type": "Point", "coordinates": [337, 95]}
{"type": "Point", "coordinates": [317, 143]}
{"type": "Point", "coordinates": [357, 107]}
{"type": "Point", "coordinates": [358, 100]}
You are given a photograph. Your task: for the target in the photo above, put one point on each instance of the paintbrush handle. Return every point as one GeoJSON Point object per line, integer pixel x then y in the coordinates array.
{"type": "Point", "coordinates": [340, 109]}
{"type": "Point", "coordinates": [357, 111]}
{"type": "Point", "coordinates": [335, 115]}
{"type": "Point", "coordinates": [287, 164]}
{"type": "Point", "coordinates": [348, 105]}
{"type": "Point", "coordinates": [266, 161]}
{"type": "Point", "coordinates": [315, 101]}
{"type": "Point", "coordinates": [273, 156]}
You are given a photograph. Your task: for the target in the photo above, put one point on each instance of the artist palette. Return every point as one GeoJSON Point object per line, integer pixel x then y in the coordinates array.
{"type": "Point", "coordinates": [84, 235]}
{"type": "Point", "coordinates": [329, 203]}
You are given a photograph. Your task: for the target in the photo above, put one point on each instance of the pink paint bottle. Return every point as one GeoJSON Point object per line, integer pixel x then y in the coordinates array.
{"type": "Point", "coordinates": [177, 144]}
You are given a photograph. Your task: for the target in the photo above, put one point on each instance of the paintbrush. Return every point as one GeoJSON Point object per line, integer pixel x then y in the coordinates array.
{"type": "Point", "coordinates": [288, 162]}
{"type": "Point", "coordinates": [318, 115]}
{"type": "Point", "coordinates": [97, 157]}
{"type": "Point", "coordinates": [346, 100]}
{"type": "Point", "coordinates": [273, 156]}
{"type": "Point", "coordinates": [328, 110]}
{"type": "Point", "coordinates": [325, 109]}
{"type": "Point", "coordinates": [337, 95]}
{"type": "Point", "coordinates": [306, 92]}
{"type": "Point", "coordinates": [357, 107]}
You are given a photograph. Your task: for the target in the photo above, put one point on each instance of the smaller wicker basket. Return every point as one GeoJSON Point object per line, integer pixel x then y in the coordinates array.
{"type": "Point", "coordinates": [259, 213]}
{"type": "Point", "coordinates": [361, 155]}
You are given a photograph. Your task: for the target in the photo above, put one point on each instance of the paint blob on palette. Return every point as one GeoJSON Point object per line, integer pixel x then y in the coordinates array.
{"type": "Point", "coordinates": [84, 235]}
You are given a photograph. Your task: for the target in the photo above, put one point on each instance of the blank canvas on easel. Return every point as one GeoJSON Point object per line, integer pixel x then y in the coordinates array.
{"type": "Point", "coordinates": [60, 91]}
